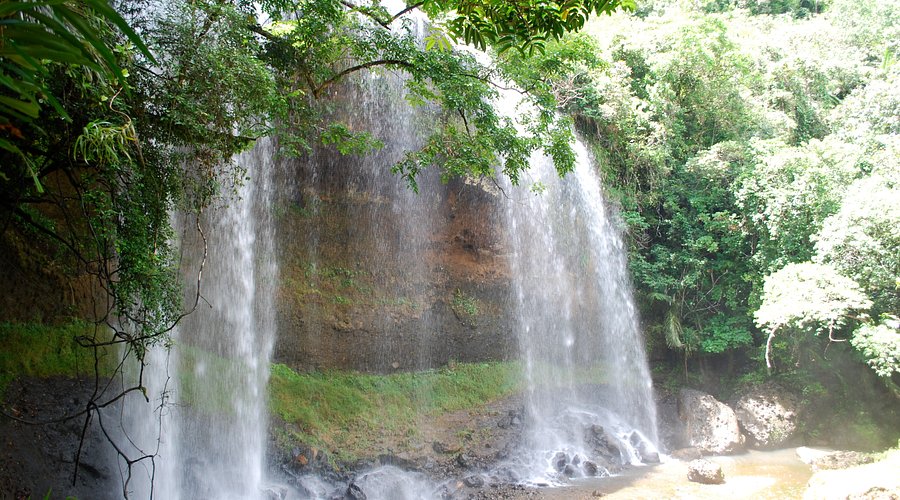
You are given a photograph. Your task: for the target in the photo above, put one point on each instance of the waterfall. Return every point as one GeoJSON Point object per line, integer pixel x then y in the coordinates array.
{"type": "Point", "coordinates": [211, 433]}
{"type": "Point", "coordinates": [589, 391]}
{"type": "Point", "coordinates": [587, 375]}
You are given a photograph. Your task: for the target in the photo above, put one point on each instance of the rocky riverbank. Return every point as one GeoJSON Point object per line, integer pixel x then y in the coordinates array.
{"type": "Point", "coordinates": [459, 454]}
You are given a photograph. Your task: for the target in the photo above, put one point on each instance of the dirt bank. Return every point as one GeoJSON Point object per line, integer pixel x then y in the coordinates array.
{"type": "Point", "coordinates": [36, 459]}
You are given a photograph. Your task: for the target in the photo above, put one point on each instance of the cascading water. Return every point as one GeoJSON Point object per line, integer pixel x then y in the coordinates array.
{"type": "Point", "coordinates": [210, 433]}
{"type": "Point", "coordinates": [589, 401]}
{"type": "Point", "coordinates": [588, 381]}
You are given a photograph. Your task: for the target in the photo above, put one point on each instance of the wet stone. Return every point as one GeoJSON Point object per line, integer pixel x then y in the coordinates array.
{"type": "Point", "coordinates": [275, 493]}
{"type": "Point", "coordinates": [559, 461]}
{"type": "Point", "coordinates": [439, 447]}
{"type": "Point", "coordinates": [355, 492]}
{"type": "Point", "coordinates": [705, 472]}
{"type": "Point", "coordinates": [475, 481]}
{"type": "Point", "coordinates": [464, 460]}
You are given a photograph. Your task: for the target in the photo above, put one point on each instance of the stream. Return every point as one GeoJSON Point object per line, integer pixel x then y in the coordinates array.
{"type": "Point", "coordinates": [776, 474]}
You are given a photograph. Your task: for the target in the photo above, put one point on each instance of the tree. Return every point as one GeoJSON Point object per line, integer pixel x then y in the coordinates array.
{"type": "Point", "coordinates": [880, 344]}
{"type": "Point", "coordinates": [523, 24]}
{"type": "Point", "coordinates": [808, 299]}
{"type": "Point", "coordinates": [862, 240]}
{"type": "Point", "coordinates": [789, 193]}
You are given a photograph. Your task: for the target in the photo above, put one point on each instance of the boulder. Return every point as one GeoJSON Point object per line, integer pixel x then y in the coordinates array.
{"type": "Point", "coordinates": [354, 492]}
{"type": "Point", "coordinates": [705, 472]}
{"type": "Point", "coordinates": [809, 455]}
{"type": "Point", "coordinates": [878, 480]}
{"type": "Point", "coordinates": [465, 461]}
{"type": "Point", "coordinates": [590, 468]}
{"type": "Point", "coordinates": [514, 418]}
{"type": "Point", "coordinates": [767, 415]}
{"type": "Point", "coordinates": [710, 425]}
{"type": "Point", "coordinates": [602, 444]}
{"type": "Point", "coordinates": [644, 449]}
{"type": "Point", "coordinates": [841, 460]}
{"type": "Point", "coordinates": [275, 493]}
{"type": "Point", "coordinates": [560, 460]}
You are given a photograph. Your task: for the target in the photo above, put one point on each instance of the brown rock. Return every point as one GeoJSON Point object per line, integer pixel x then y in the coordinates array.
{"type": "Point", "coordinates": [705, 472]}
{"type": "Point", "coordinates": [710, 425]}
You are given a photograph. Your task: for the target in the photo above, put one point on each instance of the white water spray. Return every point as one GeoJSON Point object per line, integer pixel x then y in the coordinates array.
{"type": "Point", "coordinates": [589, 387]}
{"type": "Point", "coordinates": [211, 432]}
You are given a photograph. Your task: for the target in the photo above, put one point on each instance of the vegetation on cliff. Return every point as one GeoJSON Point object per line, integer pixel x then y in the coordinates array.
{"type": "Point", "coordinates": [354, 415]}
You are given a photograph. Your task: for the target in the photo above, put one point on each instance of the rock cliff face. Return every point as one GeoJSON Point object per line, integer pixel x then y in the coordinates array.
{"type": "Point", "coordinates": [36, 460]}
{"type": "Point", "coordinates": [374, 276]}
{"type": "Point", "coordinates": [41, 281]}
{"type": "Point", "coordinates": [363, 288]}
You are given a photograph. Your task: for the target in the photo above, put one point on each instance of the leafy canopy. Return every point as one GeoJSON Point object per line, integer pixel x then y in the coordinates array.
{"type": "Point", "coordinates": [809, 298]}
{"type": "Point", "coordinates": [880, 344]}
{"type": "Point", "coordinates": [526, 25]}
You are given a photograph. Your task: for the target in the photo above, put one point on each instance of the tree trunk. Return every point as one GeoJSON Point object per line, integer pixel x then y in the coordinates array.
{"type": "Point", "coordinates": [769, 352]}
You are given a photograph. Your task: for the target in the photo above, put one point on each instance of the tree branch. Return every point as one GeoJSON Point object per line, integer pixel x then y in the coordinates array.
{"type": "Point", "coordinates": [405, 11]}
{"type": "Point", "coordinates": [352, 69]}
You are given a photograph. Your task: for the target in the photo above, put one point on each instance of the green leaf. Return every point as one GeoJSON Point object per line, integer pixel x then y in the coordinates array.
{"type": "Point", "coordinates": [28, 108]}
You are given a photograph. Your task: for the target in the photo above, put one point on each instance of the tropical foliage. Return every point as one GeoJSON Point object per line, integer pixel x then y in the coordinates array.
{"type": "Point", "coordinates": [749, 154]}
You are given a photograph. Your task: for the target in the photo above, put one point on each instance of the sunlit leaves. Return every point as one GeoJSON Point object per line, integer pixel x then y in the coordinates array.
{"type": "Point", "coordinates": [809, 298]}
{"type": "Point", "coordinates": [789, 193]}
{"type": "Point", "coordinates": [524, 25]}
{"type": "Point", "coordinates": [862, 239]}
{"type": "Point", "coordinates": [880, 344]}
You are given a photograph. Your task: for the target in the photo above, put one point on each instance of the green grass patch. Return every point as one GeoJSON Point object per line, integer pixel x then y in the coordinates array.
{"type": "Point", "coordinates": [464, 304]}
{"type": "Point", "coordinates": [339, 286]}
{"type": "Point", "coordinates": [36, 350]}
{"type": "Point", "coordinates": [349, 413]}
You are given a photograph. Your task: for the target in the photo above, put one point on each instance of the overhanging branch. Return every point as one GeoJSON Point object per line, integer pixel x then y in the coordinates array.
{"type": "Point", "coordinates": [359, 67]}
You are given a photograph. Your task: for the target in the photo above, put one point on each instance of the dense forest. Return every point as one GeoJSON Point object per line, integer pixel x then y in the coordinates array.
{"type": "Point", "coordinates": [754, 152]}
{"type": "Point", "coordinates": [751, 148]}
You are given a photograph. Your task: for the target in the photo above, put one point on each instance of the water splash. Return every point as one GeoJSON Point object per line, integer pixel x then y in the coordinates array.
{"type": "Point", "coordinates": [211, 432]}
